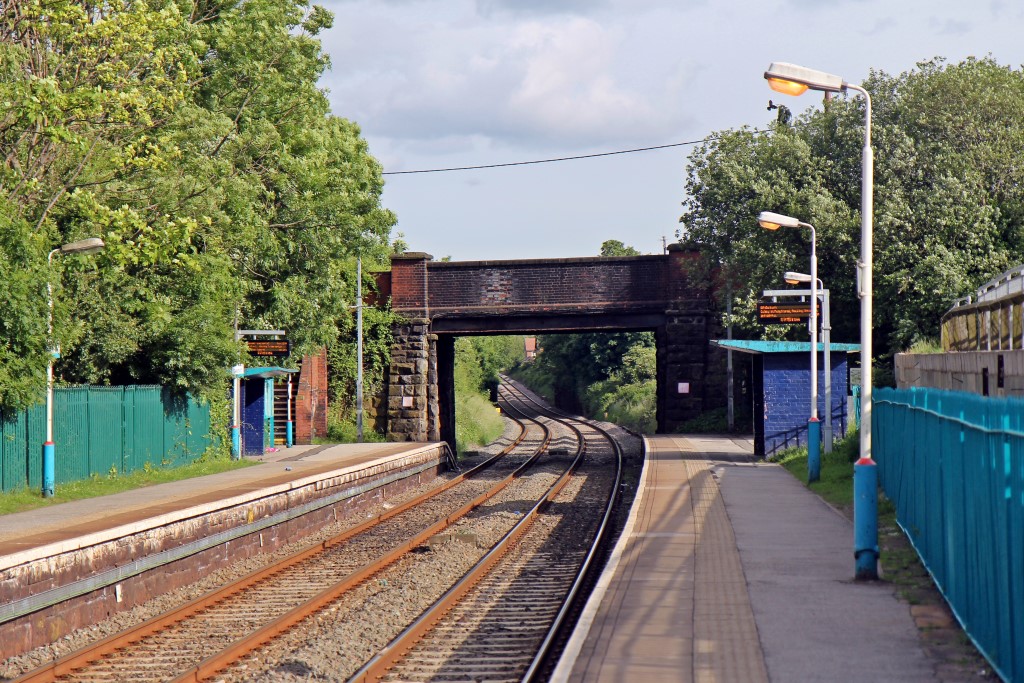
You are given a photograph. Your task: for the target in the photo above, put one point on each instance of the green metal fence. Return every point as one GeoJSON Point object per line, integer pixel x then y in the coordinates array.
{"type": "Point", "coordinates": [100, 430]}
{"type": "Point", "coordinates": [953, 465]}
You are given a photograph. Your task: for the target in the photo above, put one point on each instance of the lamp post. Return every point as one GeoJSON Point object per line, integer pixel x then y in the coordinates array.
{"type": "Point", "coordinates": [773, 221]}
{"type": "Point", "coordinates": [89, 245]}
{"type": "Point", "coordinates": [794, 278]}
{"type": "Point", "coordinates": [359, 350]}
{"type": "Point", "coordinates": [791, 79]}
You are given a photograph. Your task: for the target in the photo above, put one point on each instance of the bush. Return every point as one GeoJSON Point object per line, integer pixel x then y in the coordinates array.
{"type": "Point", "coordinates": [477, 421]}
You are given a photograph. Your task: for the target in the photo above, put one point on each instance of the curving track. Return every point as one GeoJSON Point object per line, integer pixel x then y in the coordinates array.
{"type": "Point", "coordinates": [211, 634]}
{"type": "Point", "coordinates": [498, 622]}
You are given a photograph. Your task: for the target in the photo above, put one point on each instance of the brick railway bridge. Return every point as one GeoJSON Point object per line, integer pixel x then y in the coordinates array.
{"type": "Point", "coordinates": [438, 301]}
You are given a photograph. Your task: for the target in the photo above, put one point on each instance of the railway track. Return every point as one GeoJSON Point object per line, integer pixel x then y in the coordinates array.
{"type": "Point", "coordinates": [499, 622]}
{"type": "Point", "coordinates": [211, 635]}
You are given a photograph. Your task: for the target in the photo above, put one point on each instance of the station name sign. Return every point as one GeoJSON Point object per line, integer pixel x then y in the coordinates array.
{"type": "Point", "coordinates": [784, 312]}
{"type": "Point", "coordinates": [269, 348]}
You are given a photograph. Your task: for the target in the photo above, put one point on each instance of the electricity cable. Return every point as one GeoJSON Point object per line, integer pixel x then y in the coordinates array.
{"type": "Point", "coordinates": [552, 160]}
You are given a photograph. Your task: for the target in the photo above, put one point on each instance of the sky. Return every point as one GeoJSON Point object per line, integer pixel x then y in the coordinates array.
{"type": "Point", "coordinates": [452, 83]}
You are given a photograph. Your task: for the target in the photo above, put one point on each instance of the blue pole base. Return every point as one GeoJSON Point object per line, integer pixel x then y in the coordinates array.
{"type": "Point", "coordinates": [236, 442]}
{"type": "Point", "coordinates": [48, 470]}
{"type": "Point", "coordinates": [813, 449]}
{"type": "Point", "coordinates": [288, 434]}
{"type": "Point", "coordinates": [865, 519]}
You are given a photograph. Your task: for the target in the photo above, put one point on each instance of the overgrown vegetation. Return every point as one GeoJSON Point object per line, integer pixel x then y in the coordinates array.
{"type": "Point", "coordinates": [478, 360]}
{"type": "Point", "coordinates": [949, 197]}
{"type": "Point", "coordinates": [193, 139]}
{"type": "Point", "coordinates": [836, 481]}
{"type": "Point", "coordinates": [925, 346]}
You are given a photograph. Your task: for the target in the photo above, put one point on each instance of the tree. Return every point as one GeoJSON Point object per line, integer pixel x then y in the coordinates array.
{"type": "Point", "coordinates": [947, 197]}
{"type": "Point", "coordinates": [197, 144]}
{"type": "Point", "coordinates": [617, 248]}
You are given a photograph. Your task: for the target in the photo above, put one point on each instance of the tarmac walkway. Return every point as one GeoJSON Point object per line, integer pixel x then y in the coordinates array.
{"type": "Point", "coordinates": [70, 525]}
{"type": "Point", "coordinates": [731, 570]}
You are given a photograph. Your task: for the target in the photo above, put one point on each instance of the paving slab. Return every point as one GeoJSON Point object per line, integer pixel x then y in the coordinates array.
{"type": "Point", "coordinates": [731, 570]}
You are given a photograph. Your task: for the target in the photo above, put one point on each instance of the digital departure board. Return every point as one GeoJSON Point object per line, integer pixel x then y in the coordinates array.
{"type": "Point", "coordinates": [269, 348]}
{"type": "Point", "coordinates": [784, 312]}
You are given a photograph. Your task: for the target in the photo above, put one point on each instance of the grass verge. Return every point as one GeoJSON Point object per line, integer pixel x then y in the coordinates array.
{"type": "Point", "coordinates": [25, 499]}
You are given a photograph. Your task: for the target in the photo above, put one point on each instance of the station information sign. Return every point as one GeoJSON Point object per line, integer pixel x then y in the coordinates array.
{"type": "Point", "coordinates": [269, 348]}
{"type": "Point", "coordinates": [784, 312]}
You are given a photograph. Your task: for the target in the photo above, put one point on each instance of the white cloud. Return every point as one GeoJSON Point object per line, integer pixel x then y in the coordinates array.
{"type": "Point", "coordinates": [511, 79]}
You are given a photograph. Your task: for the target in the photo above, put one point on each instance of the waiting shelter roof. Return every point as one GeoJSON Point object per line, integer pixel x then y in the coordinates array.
{"type": "Point", "coordinates": [268, 372]}
{"type": "Point", "coordinates": [758, 347]}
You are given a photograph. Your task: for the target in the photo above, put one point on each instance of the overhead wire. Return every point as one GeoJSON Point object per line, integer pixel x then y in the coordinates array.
{"type": "Point", "coordinates": [556, 159]}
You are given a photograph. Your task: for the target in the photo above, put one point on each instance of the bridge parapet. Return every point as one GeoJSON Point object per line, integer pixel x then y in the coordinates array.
{"type": "Point", "coordinates": [669, 294]}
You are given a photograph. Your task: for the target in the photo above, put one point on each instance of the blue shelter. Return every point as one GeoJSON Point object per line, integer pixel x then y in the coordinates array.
{"type": "Point", "coordinates": [781, 389]}
{"type": "Point", "coordinates": [257, 408]}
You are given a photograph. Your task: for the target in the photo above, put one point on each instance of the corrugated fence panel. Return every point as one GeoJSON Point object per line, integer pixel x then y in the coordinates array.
{"type": "Point", "coordinates": [199, 435]}
{"type": "Point", "coordinates": [175, 413]}
{"type": "Point", "coordinates": [36, 428]}
{"type": "Point", "coordinates": [953, 465]}
{"type": "Point", "coordinates": [71, 434]}
{"type": "Point", "coordinates": [13, 451]}
{"type": "Point", "coordinates": [148, 427]}
{"type": "Point", "coordinates": [102, 430]}
{"type": "Point", "coordinates": [106, 438]}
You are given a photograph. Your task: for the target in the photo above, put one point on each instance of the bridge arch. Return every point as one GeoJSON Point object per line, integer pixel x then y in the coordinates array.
{"type": "Point", "coordinates": [670, 294]}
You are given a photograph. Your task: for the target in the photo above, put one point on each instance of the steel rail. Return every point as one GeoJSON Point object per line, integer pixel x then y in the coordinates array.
{"type": "Point", "coordinates": [583, 574]}
{"type": "Point", "coordinates": [376, 667]}
{"type": "Point", "coordinates": [119, 641]}
{"type": "Point", "coordinates": [401, 646]}
{"type": "Point", "coordinates": [269, 631]}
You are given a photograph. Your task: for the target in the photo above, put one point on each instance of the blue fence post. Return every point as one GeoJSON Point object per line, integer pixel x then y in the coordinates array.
{"type": "Point", "coordinates": [865, 519]}
{"type": "Point", "coordinates": [813, 449]}
{"type": "Point", "coordinates": [856, 406]}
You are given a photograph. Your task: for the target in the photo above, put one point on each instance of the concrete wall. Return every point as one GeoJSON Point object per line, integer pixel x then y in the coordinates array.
{"type": "Point", "coordinates": [787, 391]}
{"type": "Point", "coordinates": [989, 373]}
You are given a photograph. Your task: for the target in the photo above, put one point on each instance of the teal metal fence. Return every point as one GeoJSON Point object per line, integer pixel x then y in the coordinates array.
{"type": "Point", "coordinates": [101, 430]}
{"type": "Point", "coordinates": [953, 465]}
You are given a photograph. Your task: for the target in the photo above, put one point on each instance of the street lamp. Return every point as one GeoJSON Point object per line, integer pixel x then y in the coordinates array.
{"type": "Point", "coordinates": [773, 221]}
{"type": "Point", "coordinates": [795, 80]}
{"type": "Point", "coordinates": [89, 245]}
{"type": "Point", "coordinates": [794, 278]}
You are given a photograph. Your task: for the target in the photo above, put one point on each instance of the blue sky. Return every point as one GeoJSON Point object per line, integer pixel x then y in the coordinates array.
{"type": "Point", "coordinates": [443, 83]}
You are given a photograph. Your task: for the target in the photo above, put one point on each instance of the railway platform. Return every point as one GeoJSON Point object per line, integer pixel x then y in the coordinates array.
{"type": "Point", "coordinates": [731, 570]}
{"type": "Point", "coordinates": [69, 565]}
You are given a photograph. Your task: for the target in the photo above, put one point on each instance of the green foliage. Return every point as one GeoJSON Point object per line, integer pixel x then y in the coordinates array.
{"type": "Point", "coordinates": [570, 363]}
{"type": "Point", "coordinates": [194, 140]}
{"type": "Point", "coordinates": [629, 396]}
{"type": "Point", "coordinates": [617, 248]}
{"type": "Point", "coordinates": [948, 197]}
{"type": "Point", "coordinates": [925, 346]}
{"type": "Point", "coordinates": [478, 360]}
{"type": "Point", "coordinates": [477, 422]}
{"type": "Point", "coordinates": [836, 476]}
